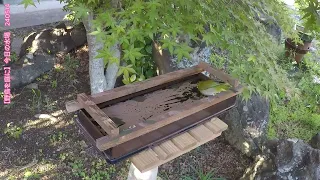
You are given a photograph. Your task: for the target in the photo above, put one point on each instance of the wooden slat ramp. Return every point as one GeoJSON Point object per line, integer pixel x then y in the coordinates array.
{"type": "Point", "coordinates": [179, 145]}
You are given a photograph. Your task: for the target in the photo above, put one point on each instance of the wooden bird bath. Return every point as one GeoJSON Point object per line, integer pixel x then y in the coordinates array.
{"type": "Point", "coordinates": [129, 119]}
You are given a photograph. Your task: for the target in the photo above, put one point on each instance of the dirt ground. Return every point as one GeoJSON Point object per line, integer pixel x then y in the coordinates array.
{"type": "Point", "coordinates": [53, 147]}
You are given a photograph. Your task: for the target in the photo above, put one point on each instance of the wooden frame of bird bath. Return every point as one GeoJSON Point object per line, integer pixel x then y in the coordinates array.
{"type": "Point", "coordinates": [132, 120]}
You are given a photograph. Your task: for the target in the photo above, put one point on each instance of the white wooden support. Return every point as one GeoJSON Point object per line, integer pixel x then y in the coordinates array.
{"type": "Point", "coordinates": [135, 174]}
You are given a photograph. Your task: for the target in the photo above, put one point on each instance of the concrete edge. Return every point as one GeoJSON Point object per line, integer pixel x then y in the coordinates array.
{"type": "Point", "coordinates": [45, 5]}
{"type": "Point", "coordinates": [28, 19]}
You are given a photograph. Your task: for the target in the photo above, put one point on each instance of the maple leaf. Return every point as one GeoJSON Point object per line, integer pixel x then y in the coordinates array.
{"type": "Point", "coordinates": [81, 11]}
{"type": "Point", "coordinates": [26, 3]}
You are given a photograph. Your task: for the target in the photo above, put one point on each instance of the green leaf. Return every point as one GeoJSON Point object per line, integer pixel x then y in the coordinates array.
{"type": "Point", "coordinates": [168, 44]}
{"type": "Point", "coordinates": [81, 11]}
{"type": "Point", "coordinates": [120, 72]}
{"type": "Point", "coordinates": [183, 51]}
{"type": "Point", "coordinates": [149, 49]}
{"type": "Point", "coordinates": [26, 3]}
{"type": "Point", "coordinates": [126, 74]}
{"type": "Point", "coordinates": [131, 70]}
{"type": "Point", "coordinates": [125, 80]}
{"type": "Point", "coordinates": [132, 54]}
{"type": "Point", "coordinates": [246, 94]}
{"type": "Point", "coordinates": [133, 78]}
{"type": "Point", "coordinates": [208, 38]}
{"type": "Point", "coordinates": [142, 78]}
{"type": "Point", "coordinates": [149, 73]}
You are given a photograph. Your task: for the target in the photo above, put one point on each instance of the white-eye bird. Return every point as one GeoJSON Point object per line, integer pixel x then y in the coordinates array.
{"type": "Point", "coordinates": [210, 87]}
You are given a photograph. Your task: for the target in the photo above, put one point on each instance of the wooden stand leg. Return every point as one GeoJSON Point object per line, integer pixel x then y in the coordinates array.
{"type": "Point", "coordinates": [135, 174]}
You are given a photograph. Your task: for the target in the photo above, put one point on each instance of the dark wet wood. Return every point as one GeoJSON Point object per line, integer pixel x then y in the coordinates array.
{"type": "Point", "coordinates": [140, 132]}
{"type": "Point", "coordinates": [142, 128]}
{"type": "Point", "coordinates": [163, 133]}
{"type": "Point", "coordinates": [219, 74]}
{"type": "Point", "coordinates": [115, 93]}
{"type": "Point", "coordinates": [144, 107]}
{"type": "Point", "coordinates": [98, 115]}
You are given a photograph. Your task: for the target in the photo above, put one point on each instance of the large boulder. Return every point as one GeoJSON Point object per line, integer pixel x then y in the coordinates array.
{"type": "Point", "coordinates": [38, 52]}
{"type": "Point", "coordinates": [315, 141]}
{"type": "Point", "coordinates": [54, 40]}
{"type": "Point", "coordinates": [23, 76]}
{"type": "Point", "coordinates": [290, 159]}
{"type": "Point", "coordinates": [271, 26]}
{"type": "Point", "coordinates": [247, 125]}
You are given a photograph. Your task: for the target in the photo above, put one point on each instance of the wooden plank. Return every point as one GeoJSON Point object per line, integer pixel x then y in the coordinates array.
{"type": "Point", "coordinates": [217, 122]}
{"type": "Point", "coordinates": [98, 98]}
{"type": "Point", "coordinates": [184, 141]}
{"type": "Point", "coordinates": [160, 152]}
{"type": "Point", "coordinates": [145, 159]}
{"type": "Point", "coordinates": [106, 142]}
{"type": "Point", "coordinates": [219, 74]}
{"type": "Point", "coordinates": [98, 115]}
{"type": "Point", "coordinates": [161, 161]}
{"type": "Point", "coordinates": [201, 133]}
{"type": "Point", "coordinates": [212, 127]}
{"type": "Point", "coordinates": [169, 148]}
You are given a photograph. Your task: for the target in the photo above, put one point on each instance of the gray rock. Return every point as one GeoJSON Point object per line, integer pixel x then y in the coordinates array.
{"type": "Point", "coordinates": [199, 54]}
{"type": "Point", "coordinates": [270, 24]}
{"type": "Point", "coordinates": [38, 48]}
{"type": "Point", "coordinates": [32, 86]}
{"type": "Point", "coordinates": [54, 40]}
{"type": "Point", "coordinates": [78, 35]}
{"type": "Point", "coordinates": [16, 44]}
{"type": "Point", "coordinates": [27, 74]}
{"type": "Point", "coordinates": [25, 47]}
{"type": "Point", "coordinates": [272, 27]}
{"type": "Point", "coordinates": [315, 141]}
{"type": "Point", "coordinates": [247, 125]}
{"type": "Point", "coordinates": [290, 159]}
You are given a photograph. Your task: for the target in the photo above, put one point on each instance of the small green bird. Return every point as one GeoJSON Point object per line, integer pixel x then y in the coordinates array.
{"type": "Point", "coordinates": [210, 87]}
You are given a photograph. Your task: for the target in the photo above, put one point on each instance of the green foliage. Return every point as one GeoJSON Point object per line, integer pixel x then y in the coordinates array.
{"type": "Point", "coordinates": [30, 175]}
{"type": "Point", "coordinates": [56, 138]}
{"type": "Point", "coordinates": [311, 17]}
{"type": "Point", "coordinates": [97, 170]}
{"type": "Point", "coordinates": [13, 131]}
{"type": "Point", "coordinates": [200, 175]}
{"type": "Point", "coordinates": [298, 117]}
{"type": "Point", "coordinates": [243, 48]}
{"type": "Point", "coordinates": [54, 84]}
{"type": "Point", "coordinates": [70, 64]}
{"type": "Point", "coordinates": [27, 3]}
{"type": "Point", "coordinates": [138, 23]}
{"type": "Point", "coordinates": [36, 99]}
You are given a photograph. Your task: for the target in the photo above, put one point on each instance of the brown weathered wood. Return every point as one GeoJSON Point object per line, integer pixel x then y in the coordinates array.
{"type": "Point", "coordinates": [136, 87]}
{"type": "Point", "coordinates": [219, 74]}
{"type": "Point", "coordinates": [98, 115]}
{"type": "Point", "coordinates": [142, 128]}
